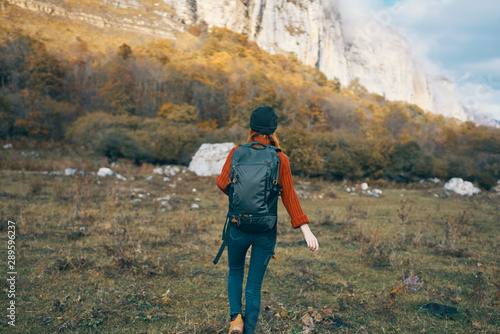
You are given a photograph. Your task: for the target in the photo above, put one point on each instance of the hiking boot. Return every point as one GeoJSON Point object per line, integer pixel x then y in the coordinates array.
{"type": "Point", "coordinates": [236, 325]}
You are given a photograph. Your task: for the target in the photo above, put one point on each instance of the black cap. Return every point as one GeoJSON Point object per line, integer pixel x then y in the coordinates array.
{"type": "Point", "coordinates": [264, 120]}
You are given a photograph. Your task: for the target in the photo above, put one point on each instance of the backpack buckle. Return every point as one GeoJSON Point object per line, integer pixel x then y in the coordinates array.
{"type": "Point", "coordinates": [234, 220]}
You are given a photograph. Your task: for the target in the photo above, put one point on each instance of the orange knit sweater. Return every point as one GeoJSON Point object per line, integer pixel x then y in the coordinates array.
{"type": "Point", "coordinates": [288, 194]}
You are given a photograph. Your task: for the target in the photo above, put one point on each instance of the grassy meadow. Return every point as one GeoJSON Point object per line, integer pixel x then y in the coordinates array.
{"type": "Point", "coordinates": [103, 255]}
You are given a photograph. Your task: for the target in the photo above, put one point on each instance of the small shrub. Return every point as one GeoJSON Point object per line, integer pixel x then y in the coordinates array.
{"type": "Point", "coordinates": [348, 222]}
{"type": "Point", "coordinates": [480, 294]}
{"type": "Point", "coordinates": [59, 190]}
{"type": "Point", "coordinates": [456, 227]}
{"type": "Point", "coordinates": [463, 224]}
{"type": "Point", "coordinates": [403, 214]}
{"type": "Point", "coordinates": [35, 185]}
{"type": "Point", "coordinates": [74, 263]}
{"type": "Point", "coordinates": [409, 284]}
{"type": "Point", "coordinates": [373, 250]}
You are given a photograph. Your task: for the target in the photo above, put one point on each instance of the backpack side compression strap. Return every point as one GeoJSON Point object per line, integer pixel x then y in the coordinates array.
{"type": "Point", "coordinates": [225, 239]}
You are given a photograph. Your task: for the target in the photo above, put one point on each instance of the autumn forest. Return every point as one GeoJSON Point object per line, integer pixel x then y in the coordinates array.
{"type": "Point", "coordinates": [158, 103]}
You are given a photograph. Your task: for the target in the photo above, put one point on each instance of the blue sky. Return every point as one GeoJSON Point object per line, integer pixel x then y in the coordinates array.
{"type": "Point", "coordinates": [389, 2]}
{"type": "Point", "coordinates": [459, 39]}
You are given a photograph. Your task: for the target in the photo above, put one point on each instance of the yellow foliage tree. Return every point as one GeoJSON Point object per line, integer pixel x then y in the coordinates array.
{"type": "Point", "coordinates": [184, 113]}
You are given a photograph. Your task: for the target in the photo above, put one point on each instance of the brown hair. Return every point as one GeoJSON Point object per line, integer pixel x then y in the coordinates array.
{"type": "Point", "coordinates": [272, 137]}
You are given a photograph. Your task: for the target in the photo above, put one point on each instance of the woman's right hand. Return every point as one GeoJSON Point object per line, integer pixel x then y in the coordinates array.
{"type": "Point", "coordinates": [312, 242]}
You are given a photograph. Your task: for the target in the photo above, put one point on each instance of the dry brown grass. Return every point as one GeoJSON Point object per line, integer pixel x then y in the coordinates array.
{"type": "Point", "coordinates": [128, 261]}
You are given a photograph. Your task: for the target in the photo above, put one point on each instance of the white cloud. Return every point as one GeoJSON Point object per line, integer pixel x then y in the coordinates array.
{"type": "Point", "coordinates": [459, 39]}
{"type": "Point", "coordinates": [489, 68]}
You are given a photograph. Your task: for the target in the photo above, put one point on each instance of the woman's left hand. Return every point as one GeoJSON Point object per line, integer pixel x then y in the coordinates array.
{"type": "Point", "coordinates": [312, 242]}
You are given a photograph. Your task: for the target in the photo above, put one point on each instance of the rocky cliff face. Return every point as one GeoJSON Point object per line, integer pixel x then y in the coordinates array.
{"type": "Point", "coordinates": [311, 29]}
{"type": "Point", "coordinates": [159, 23]}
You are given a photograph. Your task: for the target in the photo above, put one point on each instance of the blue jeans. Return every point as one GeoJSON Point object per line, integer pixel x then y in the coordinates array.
{"type": "Point", "coordinates": [262, 250]}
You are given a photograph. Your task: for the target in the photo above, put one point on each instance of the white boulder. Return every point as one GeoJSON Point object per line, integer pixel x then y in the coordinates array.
{"type": "Point", "coordinates": [8, 146]}
{"type": "Point", "coordinates": [210, 158]}
{"type": "Point", "coordinates": [497, 188]}
{"type": "Point", "coordinates": [105, 171]}
{"type": "Point", "coordinates": [461, 187]}
{"type": "Point", "coordinates": [364, 186]}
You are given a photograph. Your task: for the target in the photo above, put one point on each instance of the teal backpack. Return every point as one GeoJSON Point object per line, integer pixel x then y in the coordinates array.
{"type": "Point", "coordinates": [253, 189]}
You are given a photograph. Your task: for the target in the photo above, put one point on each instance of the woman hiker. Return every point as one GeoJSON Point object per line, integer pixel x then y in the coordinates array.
{"type": "Point", "coordinates": [263, 124]}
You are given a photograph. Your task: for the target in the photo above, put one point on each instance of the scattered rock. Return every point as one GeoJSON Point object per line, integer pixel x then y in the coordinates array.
{"type": "Point", "coordinates": [158, 170]}
{"type": "Point", "coordinates": [72, 172]}
{"type": "Point", "coordinates": [195, 206]}
{"type": "Point", "coordinates": [8, 146]}
{"type": "Point", "coordinates": [32, 153]}
{"type": "Point", "coordinates": [497, 188]}
{"type": "Point", "coordinates": [365, 190]}
{"type": "Point", "coordinates": [104, 171]}
{"type": "Point", "coordinates": [164, 198]}
{"type": "Point", "coordinates": [164, 202]}
{"type": "Point", "coordinates": [76, 232]}
{"type": "Point", "coordinates": [149, 178]}
{"type": "Point", "coordinates": [370, 193]}
{"type": "Point", "coordinates": [461, 187]}
{"type": "Point", "coordinates": [171, 170]}
{"type": "Point", "coordinates": [210, 158]}
{"type": "Point", "coordinates": [433, 180]}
